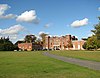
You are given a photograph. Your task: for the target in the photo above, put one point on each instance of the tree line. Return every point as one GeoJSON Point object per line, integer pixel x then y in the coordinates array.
{"type": "Point", "coordinates": [7, 45]}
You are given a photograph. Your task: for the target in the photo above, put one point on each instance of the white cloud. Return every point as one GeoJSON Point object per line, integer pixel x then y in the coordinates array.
{"type": "Point", "coordinates": [79, 23]}
{"type": "Point", "coordinates": [12, 31]}
{"type": "Point", "coordinates": [28, 16]}
{"type": "Point", "coordinates": [9, 16]}
{"type": "Point", "coordinates": [41, 32]}
{"type": "Point", "coordinates": [3, 8]}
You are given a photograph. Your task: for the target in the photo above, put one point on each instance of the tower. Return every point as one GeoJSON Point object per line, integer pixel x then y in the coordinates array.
{"type": "Point", "coordinates": [47, 40]}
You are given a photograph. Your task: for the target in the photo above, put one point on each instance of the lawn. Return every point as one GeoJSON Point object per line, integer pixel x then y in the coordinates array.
{"type": "Point", "coordinates": [36, 65]}
{"type": "Point", "coordinates": [85, 55]}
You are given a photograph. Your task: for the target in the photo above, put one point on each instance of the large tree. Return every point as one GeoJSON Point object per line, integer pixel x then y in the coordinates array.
{"type": "Point", "coordinates": [93, 42]}
{"type": "Point", "coordinates": [30, 38]}
{"type": "Point", "coordinates": [96, 31]}
{"type": "Point", "coordinates": [42, 35]}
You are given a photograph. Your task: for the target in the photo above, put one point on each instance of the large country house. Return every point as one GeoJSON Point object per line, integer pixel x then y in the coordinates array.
{"type": "Point", "coordinates": [63, 42]}
{"type": "Point", "coordinates": [66, 42]}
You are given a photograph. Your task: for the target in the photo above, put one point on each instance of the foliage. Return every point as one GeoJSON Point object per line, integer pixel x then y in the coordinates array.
{"type": "Point", "coordinates": [6, 45]}
{"type": "Point", "coordinates": [96, 31]}
{"type": "Point", "coordinates": [74, 38]}
{"type": "Point", "coordinates": [42, 35]}
{"type": "Point", "coordinates": [30, 38]}
{"type": "Point", "coordinates": [93, 42]}
{"type": "Point", "coordinates": [84, 45]}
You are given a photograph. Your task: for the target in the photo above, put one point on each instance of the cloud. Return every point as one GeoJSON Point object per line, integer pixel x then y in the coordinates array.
{"type": "Point", "coordinates": [48, 25]}
{"type": "Point", "coordinates": [79, 23]}
{"type": "Point", "coordinates": [12, 31]}
{"type": "Point", "coordinates": [28, 16]}
{"type": "Point", "coordinates": [3, 8]}
{"type": "Point", "coordinates": [42, 32]}
{"type": "Point", "coordinates": [9, 16]}
{"type": "Point", "coordinates": [13, 37]}
{"type": "Point", "coordinates": [98, 8]}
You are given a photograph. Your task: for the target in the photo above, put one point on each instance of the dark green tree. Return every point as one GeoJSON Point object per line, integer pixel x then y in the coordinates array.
{"type": "Point", "coordinates": [96, 32]}
{"type": "Point", "coordinates": [6, 45]}
{"type": "Point", "coordinates": [30, 38]}
{"type": "Point", "coordinates": [92, 43]}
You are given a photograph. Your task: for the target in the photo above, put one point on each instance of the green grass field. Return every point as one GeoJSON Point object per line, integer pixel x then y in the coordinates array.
{"type": "Point", "coordinates": [85, 55]}
{"type": "Point", "coordinates": [36, 65]}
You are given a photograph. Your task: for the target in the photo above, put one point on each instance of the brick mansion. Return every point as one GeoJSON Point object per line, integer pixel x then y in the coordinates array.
{"type": "Point", "coordinates": [66, 42]}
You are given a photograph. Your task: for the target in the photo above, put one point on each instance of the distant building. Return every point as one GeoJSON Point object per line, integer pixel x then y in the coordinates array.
{"type": "Point", "coordinates": [61, 43]}
{"type": "Point", "coordinates": [29, 46]}
{"type": "Point", "coordinates": [25, 46]}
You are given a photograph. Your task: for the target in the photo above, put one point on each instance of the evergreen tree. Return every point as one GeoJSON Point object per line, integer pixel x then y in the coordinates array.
{"type": "Point", "coordinates": [6, 44]}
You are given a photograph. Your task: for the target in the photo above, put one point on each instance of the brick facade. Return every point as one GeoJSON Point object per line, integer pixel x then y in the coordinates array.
{"type": "Point", "coordinates": [25, 46]}
{"type": "Point", "coordinates": [57, 42]}
{"type": "Point", "coordinates": [62, 42]}
{"type": "Point", "coordinates": [77, 45]}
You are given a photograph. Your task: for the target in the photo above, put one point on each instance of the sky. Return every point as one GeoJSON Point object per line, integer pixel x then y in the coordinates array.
{"type": "Point", "coordinates": [54, 17]}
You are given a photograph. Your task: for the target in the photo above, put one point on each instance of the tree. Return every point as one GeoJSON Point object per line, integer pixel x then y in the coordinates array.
{"type": "Point", "coordinates": [91, 43]}
{"type": "Point", "coordinates": [42, 35]}
{"type": "Point", "coordinates": [6, 45]}
{"type": "Point", "coordinates": [85, 45]}
{"type": "Point", "coordinates": [96, 32]}
{"type": "Point", "coordinates": [30, 38]}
